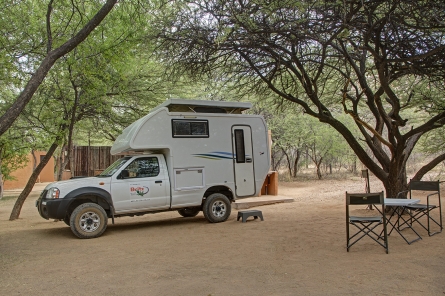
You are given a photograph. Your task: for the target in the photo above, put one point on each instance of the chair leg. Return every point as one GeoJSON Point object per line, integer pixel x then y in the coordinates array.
{"type": "Point", "coordinates": [418, 214]}
{"type": "Point", "coordinates": [366, 230]}
{"type": "Point", "coordinates": [432, 219]}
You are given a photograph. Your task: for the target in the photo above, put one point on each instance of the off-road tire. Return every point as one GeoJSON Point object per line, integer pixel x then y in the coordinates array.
{"type": "Point", "coordinates": [89, 220]}
{"type": "Point", "coordinates": [189, 212]}
{"type": "Point", "coordinates": [217, 208]}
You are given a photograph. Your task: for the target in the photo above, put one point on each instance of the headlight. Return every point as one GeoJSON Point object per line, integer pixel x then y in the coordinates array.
{"type": "Point", "coordinates": [52, 193]}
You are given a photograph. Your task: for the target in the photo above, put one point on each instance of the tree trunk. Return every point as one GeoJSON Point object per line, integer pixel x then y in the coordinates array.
{"type": "Point", "coordinates": [71, 160]}
{"type": "Point", "coordinates": [289, 166]}
{"type": "Point", "coordinates": [276, 163]}
{"type": "Point", "coordinates": [318, 165]}
{"type": "Point", "coordinates": [69, 150]}
{"type": "Point", "coordinates": [395, 183]}
{"type": "Point", "coordinates": [319, 175]}
{"type": "Point", "coordinates": [7, 119]}
{"type": "Point", "coordinates": [32, 180]}
{"type": "Point", "coordinates": [297, 159]}
{"type": "Point", "coordinates": [61, 163]}
{"type": "Point", "coordinates": [34, 163]}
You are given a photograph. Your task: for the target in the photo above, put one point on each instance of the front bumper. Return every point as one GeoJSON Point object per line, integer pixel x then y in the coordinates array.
{"type": "Point", "coordinates": [52, 208]}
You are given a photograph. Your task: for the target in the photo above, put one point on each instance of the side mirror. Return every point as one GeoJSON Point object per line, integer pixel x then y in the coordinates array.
{"type": "Point", "coordinates": [124, 174]}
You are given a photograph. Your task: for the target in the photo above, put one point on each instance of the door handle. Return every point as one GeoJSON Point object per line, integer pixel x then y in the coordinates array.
{"type": "Point", "coordinates": [158, 181]}
{"type": "Point", "coordinates": [248, 159]}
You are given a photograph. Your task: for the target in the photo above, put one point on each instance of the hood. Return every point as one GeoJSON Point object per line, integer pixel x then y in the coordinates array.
{"type": "Point", "coordinates": [69, 185]}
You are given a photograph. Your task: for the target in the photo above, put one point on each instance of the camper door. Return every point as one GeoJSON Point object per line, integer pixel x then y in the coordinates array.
{"type": "Point", "coordinates": [243, 161]}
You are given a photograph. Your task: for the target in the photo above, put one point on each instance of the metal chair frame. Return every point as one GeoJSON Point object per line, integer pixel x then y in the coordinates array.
{"type": "Point", "coordinates": [418, 211]}
{"type": "Point", "coordinates": [365, 225]}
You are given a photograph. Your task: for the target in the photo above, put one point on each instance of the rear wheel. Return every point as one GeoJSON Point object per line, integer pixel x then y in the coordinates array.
{"type": "Point", "coordinates": [89, 220]}
{"type": "Point", "coordinates": [189, 212]}
{"type": "Point", "coordinates": [217, 208]}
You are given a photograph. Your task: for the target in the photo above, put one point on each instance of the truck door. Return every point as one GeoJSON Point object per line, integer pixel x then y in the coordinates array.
{"type": "Point", "coordinates": [142, 185]}
{"type": "Point", "coordinates": [243, 161]}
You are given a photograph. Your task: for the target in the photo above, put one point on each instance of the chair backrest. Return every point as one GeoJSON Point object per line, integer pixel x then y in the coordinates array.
{"type": "Point", "coordinates": [424, 185]}
{"type": "Point", "coordinates": [364, 198]}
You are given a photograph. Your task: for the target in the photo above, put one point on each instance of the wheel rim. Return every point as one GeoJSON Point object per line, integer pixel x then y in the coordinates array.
{"type": "Point", "coordinates": [89, 221]}
{"type": "Point", "coordinates": [219, 209]}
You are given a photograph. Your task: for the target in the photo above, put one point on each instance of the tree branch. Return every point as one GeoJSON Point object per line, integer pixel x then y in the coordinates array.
{"type": "Point", "coordinates": [428, 167]}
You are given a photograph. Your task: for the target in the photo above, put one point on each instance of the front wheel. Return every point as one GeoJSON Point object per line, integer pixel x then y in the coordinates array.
{"type": "Point", "coordinates": [66, 219]}
{"type": "Point", "coordinates": [217, 208]}
{"type": "Point", "coordinates": [189, 212]}
{"type": "Point", "coordinates": [89, 220]}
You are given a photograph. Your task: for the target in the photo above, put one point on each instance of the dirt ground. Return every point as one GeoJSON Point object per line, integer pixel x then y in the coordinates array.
{"type": "Point", "coordinates": [299, 249]}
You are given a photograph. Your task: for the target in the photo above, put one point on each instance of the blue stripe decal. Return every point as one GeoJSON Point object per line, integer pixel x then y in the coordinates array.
{"type": "Point", "coordinates": [217, 155]}
{"type": "Point", "coordinates": [223, 153]}
{"type": "Point", "coordinates": [212, 156]}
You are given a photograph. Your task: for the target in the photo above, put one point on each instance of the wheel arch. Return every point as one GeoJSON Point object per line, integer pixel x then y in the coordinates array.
{"type": "Point", "coordinates": [219, 189]}
{"type": "Point", "coordinates": [90, 194]}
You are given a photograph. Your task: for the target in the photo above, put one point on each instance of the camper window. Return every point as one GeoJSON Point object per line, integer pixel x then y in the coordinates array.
{"type": "Point", "coordinates": [190, 128]}
{"type": "Point", "coordinates": [239, 146]}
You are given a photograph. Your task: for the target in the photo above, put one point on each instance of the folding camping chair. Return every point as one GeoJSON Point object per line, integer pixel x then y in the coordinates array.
{"type": "Point", "coordinates": [366, 224]}
{"type": "Point", "coordinates": [425, 210]}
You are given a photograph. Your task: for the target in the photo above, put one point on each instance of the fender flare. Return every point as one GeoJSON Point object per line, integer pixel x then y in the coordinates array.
{"type": "Point", "coordinates": [94, 191]}
{"type": "Point", "coordinates": [220, 189]}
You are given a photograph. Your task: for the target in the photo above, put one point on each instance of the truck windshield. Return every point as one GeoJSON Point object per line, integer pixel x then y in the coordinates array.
{"type": "Point", "coordinates": [108, 172]}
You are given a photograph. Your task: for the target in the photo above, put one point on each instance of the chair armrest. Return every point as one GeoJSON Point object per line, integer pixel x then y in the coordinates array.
{"type": "Point", "coordinates": [428, 198]}
{"type": "Point", "coordinates": [435, 193]}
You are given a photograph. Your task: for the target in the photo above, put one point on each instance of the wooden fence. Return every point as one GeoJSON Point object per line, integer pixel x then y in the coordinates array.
{"type": "Point", "coordinates": [91, 160]}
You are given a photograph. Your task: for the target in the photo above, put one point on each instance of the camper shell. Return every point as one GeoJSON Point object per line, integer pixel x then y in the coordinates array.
{"type": "Point", "coordinates": [205, 144]}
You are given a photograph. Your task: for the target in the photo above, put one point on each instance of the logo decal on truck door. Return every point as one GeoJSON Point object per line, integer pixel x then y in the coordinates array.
{"type": "Point", "coordinates": [137, 189]}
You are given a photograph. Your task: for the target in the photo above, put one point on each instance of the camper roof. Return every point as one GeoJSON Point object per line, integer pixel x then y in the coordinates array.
{"type": "Point", "coordinates": [197, 106]}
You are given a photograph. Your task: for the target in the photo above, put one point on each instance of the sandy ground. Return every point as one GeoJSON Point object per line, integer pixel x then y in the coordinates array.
{"type": "Point", "coordinates": [298, 250]}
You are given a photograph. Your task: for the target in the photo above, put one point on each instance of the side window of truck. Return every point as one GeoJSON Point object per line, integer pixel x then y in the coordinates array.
{"type": "Point", "coordinates": [143, 168]}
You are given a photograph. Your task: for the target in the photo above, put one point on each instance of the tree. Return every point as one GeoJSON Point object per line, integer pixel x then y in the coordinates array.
{"type": "Point", "coordinates": [375, 60]}
{"type": "Point", "coordinates": [98, 81]}
{"type": "Point", "coordinates": [52, 55]}
{"type": "Point", "coordinates": [32, 180]}
{"type": "Point", "coordinates": [41, 123]}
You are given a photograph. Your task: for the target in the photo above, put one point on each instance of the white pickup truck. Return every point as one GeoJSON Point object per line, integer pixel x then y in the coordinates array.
{"type": "Point", "coordinates": [132, 186]}
{"type": "Point", "coordinates": [185, 155]}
